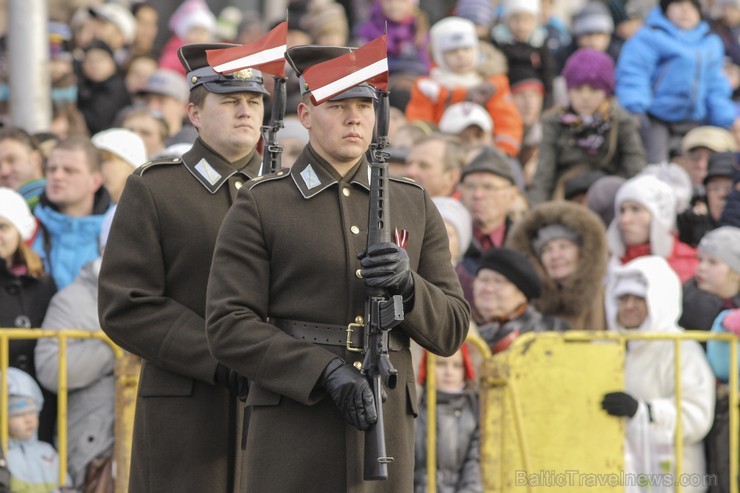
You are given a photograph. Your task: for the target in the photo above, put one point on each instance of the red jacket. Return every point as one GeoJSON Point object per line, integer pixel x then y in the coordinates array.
{"type": "Point", "coordinates": [682, 259]}
{"type": "Point", "coordinates": [429, 99]}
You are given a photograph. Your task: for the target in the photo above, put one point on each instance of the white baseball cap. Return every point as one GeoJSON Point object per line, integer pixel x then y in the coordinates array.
{"type": "Point", "coordinates": [459, 116]}
{"type": "Point", "coordinates": [123, 143]}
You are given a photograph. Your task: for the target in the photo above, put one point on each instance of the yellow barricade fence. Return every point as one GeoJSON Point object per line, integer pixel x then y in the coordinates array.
{"type": "Point", "coordinates": [126, 375]}
{"type": "Point", "coordinates": [514, 387]}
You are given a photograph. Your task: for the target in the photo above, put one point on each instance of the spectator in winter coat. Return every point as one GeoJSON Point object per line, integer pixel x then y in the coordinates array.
{"type": "Point", "coordinates": [644, 224]}
{"type": "Point", "coordinates": [25, 288]}
{"type": "Point", "coordinates": [90, 379]}
{"type": "Point", "coordinates": [593, 131]}
{"type": "Point", "coordinates": [566, 244]}
{"type": "Point", "coordinates": [33, 464]}
{"type": "Point", "coordinates": [646, 297]}
{"type": "Point", "coordinates": [71, 209]}
{"type": "Point", "coordinates": [121, 151]}
{"type": "Point", "coordinates": [670, 75]}
{"type": "Point", "coordinates": [458, 431]}
{"type": "Point", "coordinates": [21, 164]}
{"type": "Point", "coordinates": [715, 286]}
{"type": "Point", "coordinates": [457, 77]}
{"type": "Point", "coordinates": [503, 291]}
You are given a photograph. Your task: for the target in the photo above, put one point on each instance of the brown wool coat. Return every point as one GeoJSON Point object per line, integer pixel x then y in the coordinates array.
{"type": "Point", "coordinates": [152, 296]}
{"type": "Point", "coordinates": [290, 252]}
{"type": "Point", "coordinates": [580, 300]}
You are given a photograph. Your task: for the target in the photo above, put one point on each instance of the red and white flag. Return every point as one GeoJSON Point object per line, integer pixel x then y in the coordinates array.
{"type": "Point", "coordinates": [368, 63]}
{"type": "Point", "coordinates": [266, 54]}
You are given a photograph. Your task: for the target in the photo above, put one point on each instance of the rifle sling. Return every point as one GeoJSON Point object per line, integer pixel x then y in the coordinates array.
{"type": "Point", "coordinates": [335, 335]}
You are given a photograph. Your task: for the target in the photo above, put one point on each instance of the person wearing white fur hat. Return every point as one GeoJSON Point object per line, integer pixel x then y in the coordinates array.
{"type": "Point", "coordinates": [645, 224]}
{"type": "Point", "coordinates": [121, 151]}
{"type": "Point", "coordinates": [25, 288]}
{"type": "Point", "coordinates": [458, 76]}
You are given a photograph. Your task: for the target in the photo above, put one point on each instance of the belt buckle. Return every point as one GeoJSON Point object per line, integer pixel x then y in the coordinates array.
{"type": "Point", "coordinates": [350, 329]}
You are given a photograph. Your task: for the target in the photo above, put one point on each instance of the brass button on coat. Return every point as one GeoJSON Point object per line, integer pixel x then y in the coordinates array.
{"type": "Point", "coordinates": [358, 365]}
{"type": "Point", "coordinates": [238, 185]}
{"type": "Point", "coordinates": [346, 192]}
{"type": "Point", "coordinates": [358, 273]}
{"type": "Point", "coordinates": [355, 230]}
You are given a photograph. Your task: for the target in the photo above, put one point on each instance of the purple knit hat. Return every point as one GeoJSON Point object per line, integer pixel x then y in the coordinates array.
{"type": "Point", "coordinates": [592, 67]}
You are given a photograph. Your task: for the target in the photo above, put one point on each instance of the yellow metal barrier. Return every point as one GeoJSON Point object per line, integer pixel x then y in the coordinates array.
{"type": "Point", "coordinates": [126, 373]}
{"type": "Point", "coordinates": [514, 373]}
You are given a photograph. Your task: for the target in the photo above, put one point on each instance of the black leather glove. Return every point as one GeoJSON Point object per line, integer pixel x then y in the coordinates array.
{"type": "Point", "coordinates": [237, 384]}
{"type": "Point", "coordinates": [619, 404]}
{"type": "Point", "coordinates": [351, 393]}
{"type": "Point", "coordinates": [386, 265]}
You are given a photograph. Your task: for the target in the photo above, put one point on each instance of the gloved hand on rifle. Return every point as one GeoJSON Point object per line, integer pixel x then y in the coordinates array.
{"type": "Point", "coordinates": [237, 384]}
{"type": "Point", "coordinates": [351, 393]}
{"type": "Point", "coordinates": [386, 265]}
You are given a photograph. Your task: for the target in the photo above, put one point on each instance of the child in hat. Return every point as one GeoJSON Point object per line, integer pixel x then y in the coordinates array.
{"type": "Point", "coordinates": [592, 131]}
{"type": "Point", "coordinates": [458, 432]}
{"type": "Point", "coordinates": [457, 76]}
{"type": "Point", "coordinates": [670, 74]}
{"type": "Point", "coordinates": [33, 464]}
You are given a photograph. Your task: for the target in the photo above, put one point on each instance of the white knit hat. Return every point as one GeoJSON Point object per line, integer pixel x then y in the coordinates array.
{"type": "Point", "coordinates": [125, 144]}
{"type": "Point", "coordinates": [14, 208]}
{"type": "Point", "coordinates": [449, 34]}
{"type": "Point", "coordinates": [658, 198]}
{"type": "Point", "coordinates": [512, 7]}
{"type": "Point", "coordinates": [455, 213]}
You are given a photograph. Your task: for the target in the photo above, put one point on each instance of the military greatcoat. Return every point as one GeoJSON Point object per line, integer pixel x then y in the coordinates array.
{"type": "Point", "coordinates": [288, 250]}
{"type": "Point", "coordinates": [152, 297]}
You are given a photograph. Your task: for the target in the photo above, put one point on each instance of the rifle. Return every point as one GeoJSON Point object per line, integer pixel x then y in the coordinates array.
{"type": "Point", "coordinates": [382, 312]}
{"type": "Point", "coordinates": [273, 150]}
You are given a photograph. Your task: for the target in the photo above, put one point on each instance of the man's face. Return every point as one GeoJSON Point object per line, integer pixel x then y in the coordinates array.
{"type": "Point", "coordinates": [149, 129]}
{"type": "Point", "coordinates": [696, 161]}
{"type": "Point", "coordinates": [529, 103]}
{"type": "Point", "coordinates": [98, 65]}
{"type": "Point", "coordinates": [425, 165]}
{"type": "Point", "coordinates": [487, 197]}
{"type": "Point", "coordinates": [717, 189]}
{"type": "Point", "coordinates": [69, 181]}
{"type": "Point", "coordinates": [172, 109]}
{"type": "Point", "coordinates": [340, 131]}
{"type": "Point", "coordinates": [18, 164]}
{"type": "Point", "coordinates": [229, 123]}
{"type": "Point", "coordinates": [631, 311]}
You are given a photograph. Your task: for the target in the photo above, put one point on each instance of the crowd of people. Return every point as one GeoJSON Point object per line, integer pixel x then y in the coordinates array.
{"type": "Point", "coordinates": [585, 169]}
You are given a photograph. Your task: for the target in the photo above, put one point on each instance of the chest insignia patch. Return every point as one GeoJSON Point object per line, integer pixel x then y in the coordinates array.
{"type": "Point", "coordinates": [207, 171]}
{"type": "Point", "coordinates": [310, 178]}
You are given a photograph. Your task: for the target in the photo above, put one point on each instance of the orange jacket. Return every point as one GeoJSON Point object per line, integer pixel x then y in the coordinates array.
{"type": "Point", "coordinates": [429, 99]}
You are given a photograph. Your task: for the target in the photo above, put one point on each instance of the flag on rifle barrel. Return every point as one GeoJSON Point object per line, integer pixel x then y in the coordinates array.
{"type": "Point", "coordinates": [266, 54]}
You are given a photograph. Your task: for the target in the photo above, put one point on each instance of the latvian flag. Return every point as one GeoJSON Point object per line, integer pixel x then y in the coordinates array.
{"type": "Point", "coordinates": [368, 63]}
{"type": "Point", "coordinates": [266, 54]}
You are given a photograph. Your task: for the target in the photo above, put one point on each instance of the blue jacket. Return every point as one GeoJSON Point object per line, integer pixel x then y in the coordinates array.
{"type": "Point", "coordinates": [718, 352]}
{"type": "Point", "coordinates": [675, 75]}
{"type": "Point", "coordinates": [67, 243]}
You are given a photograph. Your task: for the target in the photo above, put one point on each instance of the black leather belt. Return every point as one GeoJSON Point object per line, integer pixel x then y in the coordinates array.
{"type": "Point", "coordinates": [351, 336]}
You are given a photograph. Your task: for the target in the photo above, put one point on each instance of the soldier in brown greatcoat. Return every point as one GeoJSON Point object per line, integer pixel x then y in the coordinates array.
{"type": "Point", "coordinates": [152, 289]}
{"type": "Point", "coordinates": [288, 250]}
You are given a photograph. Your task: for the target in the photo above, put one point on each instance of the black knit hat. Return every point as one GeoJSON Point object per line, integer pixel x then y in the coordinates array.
{"type": "Point", "coordinates": [514, 266]}
{"type": "Point", "coordinates": [665, 3]}
{"type": "Point", "coordinates": [721, 164]}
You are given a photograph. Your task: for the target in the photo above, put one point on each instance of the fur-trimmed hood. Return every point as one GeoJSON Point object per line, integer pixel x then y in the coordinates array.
{"type": "Point", "coordinates": [570, 299]}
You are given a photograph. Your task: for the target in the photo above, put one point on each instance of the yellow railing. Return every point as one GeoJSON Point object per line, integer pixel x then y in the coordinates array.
{"type": "Point", "coordinates": [592, 336]}
{"type": "Point", "coordinates": [126, 381]}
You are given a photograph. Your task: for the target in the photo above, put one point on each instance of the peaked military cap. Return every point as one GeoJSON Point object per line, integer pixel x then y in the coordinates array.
{"type": "Point", "coordinates": [305, 56]}
{"type": "Point", "coordinates": [193, 59]}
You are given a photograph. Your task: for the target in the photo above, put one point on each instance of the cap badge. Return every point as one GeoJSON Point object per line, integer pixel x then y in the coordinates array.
{"type": "Point", "coordinates": [310, 178]}
{"type": "Point", "coordinates": [245, 73]}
